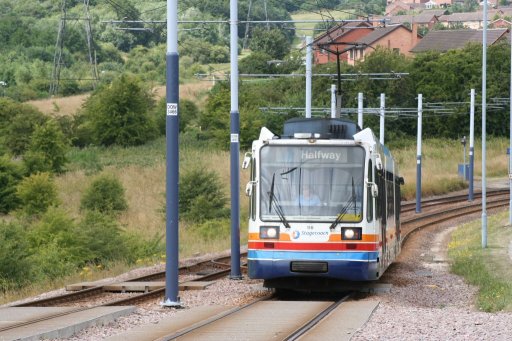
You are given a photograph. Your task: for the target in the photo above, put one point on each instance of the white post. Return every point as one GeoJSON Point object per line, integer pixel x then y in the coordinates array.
{"type": "Point", "coordinates": [360, 110]}
{"type": "Point", "coordinates": [418, 154]}
{"type": "Point", "coordinates": [484, 144]}
{"type": "Point", "coordinates": [382, 113]}
{"type": "Point", "coordinates": [309, 58]}
{"type": "Point", "coordinates": [471, 145]}
{"type": "Point", "coordinates": [510, 138]}
{"type": "Point", "coordinates": [333, 101]}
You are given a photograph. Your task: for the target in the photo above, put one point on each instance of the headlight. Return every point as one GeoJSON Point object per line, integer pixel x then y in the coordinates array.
{"type": "Point", "coordinates": [351, 233]}
{"type": "Point", "coordinates": [269, 232]}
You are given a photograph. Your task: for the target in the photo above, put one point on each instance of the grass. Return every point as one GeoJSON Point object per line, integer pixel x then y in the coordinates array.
{"type": "Point", "coordinates": [489, 269]}
{"type": "Point", "coordinates": [63, 106]}
{"type": "Point", "coordinates": [141, 170]}
{"type": "Point", "coordinates": [306, 29]}
{"type": "Point", "coordinates": [439, 164]}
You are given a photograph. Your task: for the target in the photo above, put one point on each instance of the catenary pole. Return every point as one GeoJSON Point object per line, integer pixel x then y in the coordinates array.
{"type": "Point", "coordinates": [510, 139]}
{"type": "Point", "coordinates": [382, 113]}
{"type": "Point", "coordinates": [333, 101]}
{"type": "Point", "coordinates": [172, 158]}
{"type": "Point", "coordinates": [471, 145]}
{"type": "Point", "coordinates": [418, 154]}
{"type": "Point", "coordinates": [360, 110]}
{"type": "Point", "coordinates": [235, 144]}
{"type": "Point", "coordinates": [309, 58]}
{"type": "Point", "coordinates": [484, 113]}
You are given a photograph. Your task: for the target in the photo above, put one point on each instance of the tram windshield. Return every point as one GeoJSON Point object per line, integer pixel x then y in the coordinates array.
{"type": "Point", "coordinates": [311, 183]}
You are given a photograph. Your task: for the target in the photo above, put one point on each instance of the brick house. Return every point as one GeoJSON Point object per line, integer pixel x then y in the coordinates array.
{"type": "Point", "coordinates": [426, 19]}
{"type": "Point", "coordinates": [354, 43]}
{"type": "Point", "coordinates": [445, 40]}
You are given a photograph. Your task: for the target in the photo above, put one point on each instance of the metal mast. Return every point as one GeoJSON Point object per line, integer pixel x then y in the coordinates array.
{"type": "Point", "coordinates": [59, 45]}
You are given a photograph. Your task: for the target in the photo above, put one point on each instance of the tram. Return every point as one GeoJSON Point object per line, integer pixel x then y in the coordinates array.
{"type": "Point", "coordinates": [324, 205]}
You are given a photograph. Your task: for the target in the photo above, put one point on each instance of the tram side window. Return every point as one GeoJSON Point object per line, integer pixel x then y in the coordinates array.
{"type": "Point", "coordinates": [252, 198]}
{"type": "Point", "coordinates": [369, 198]}
{"type": "Point", "coordinates": [390, 190]}
{"type": "Point", "coordinates": [381, 199]}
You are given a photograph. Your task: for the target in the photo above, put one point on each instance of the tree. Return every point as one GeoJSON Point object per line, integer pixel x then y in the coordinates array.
{"type": "Point", "coordinates": [106, 195]}
{"type": "Point", "coordinates": [47, 150]}
{"type": "Point", "coordinates": [201, 196]}
{"type": "Point", "coordinates": [17, 123]}
{"type": "Point", "coordinates": [272, 42]}
{"type": "Point", "coordinates": [257, 62]}
{"type": "Point", "coordinates": [119, 113]}
{"type": "Point", "coordinates": [10, 176]}
{"type": "Point", "coordinates": [37, 193]}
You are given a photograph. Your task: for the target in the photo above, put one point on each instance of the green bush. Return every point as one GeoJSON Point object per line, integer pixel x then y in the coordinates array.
{"type": "Point", "coordinates": [119, 113]}
{"type": "Point", "coordinates": [37, 193]}
{"type": "Point", "coordinates": [103, 238]}
{"type": "Point", "coordinates": [201, 196]}
{"type": "Point", "coordinates": [10, 175]}
{"type": "Point", "coordinates": [14, 262]}
{"type": "Point", "coordinates": [47, 151]}
{"type": "Point", "coordinates": [18, 122]}
{"type": "Point", "coordinates": [105, 194]}
{"type": "Point", "coordinates": [55, 245]}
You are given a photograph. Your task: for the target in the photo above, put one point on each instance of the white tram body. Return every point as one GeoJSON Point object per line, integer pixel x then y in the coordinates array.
{"type": "Point", "coordinates": [324, 205]}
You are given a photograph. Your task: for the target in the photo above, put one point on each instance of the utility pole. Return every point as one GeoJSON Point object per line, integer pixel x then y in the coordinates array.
{"type": "Point", "coordinates": [471, 144]}
{"type": "Point", "coordinates": [172, 158]}
{"type": "Point", "coordinates": [235, 145]}
{"type": "Point", "coordinates": [59, 45]}
{"type": "Point", "coordinates": [382, 115]}
{"type": "Point", "coordinates": [309, 57]}
{"type": "Point", "coordinates": [360, 110]}
{"type": "Point", "coordinates": [418, 154]}
{"type": "Point", "coordinates": [484, 113]}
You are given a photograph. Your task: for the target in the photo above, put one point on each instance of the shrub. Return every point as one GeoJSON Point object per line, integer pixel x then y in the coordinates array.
{"type": "Point", "coordinates": [118, 114]}
{"type": "Point", "coordinates": [37, 193]}
{"type": "Point", "coordinates": [10, 175]}
{"type": "Point", "coordinates": [103, 238]}
{"type": "Point", "coordinates": [14, 263]}
{"type": "Point", "coordinates": [18, 123]}
{"type": "Point", "coordinates": [105, 194]}
{"type": "Point", "coordinates": [47, 151]}
{"type": "Point", "coordinates": [257, 62]}
{"type": "Point", "coordinates": [55, 245]}
{"type": "Point", "coordinates": [201, 196]}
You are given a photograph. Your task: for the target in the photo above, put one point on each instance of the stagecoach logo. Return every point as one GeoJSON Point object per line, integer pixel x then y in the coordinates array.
{"type": "Point", "coordinates": [319, 235]}
{"type": "Point", "coordinates": [318, 154]}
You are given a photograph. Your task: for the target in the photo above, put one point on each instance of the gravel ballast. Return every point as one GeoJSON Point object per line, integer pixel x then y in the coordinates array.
{"type": "Point", "coordinates": [426, 302]}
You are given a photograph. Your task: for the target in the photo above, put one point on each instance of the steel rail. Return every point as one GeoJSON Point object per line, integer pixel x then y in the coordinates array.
{"type": "Point", "coordinates": [98, 290]}
{"type": "Point", "coordinates": [410, 206]}
{"type": "Point", "coordinates": [215, 318]}
{"type": "Point", "coordinates": [319, 317]}
{"type": "Point", "coordinates": [437, 217]}
{"type": "Point", "coordinates": [121, 302]}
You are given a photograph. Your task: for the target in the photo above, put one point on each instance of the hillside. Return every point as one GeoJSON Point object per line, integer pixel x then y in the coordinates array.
{"type": "Point", "coordinates": [64, 106]}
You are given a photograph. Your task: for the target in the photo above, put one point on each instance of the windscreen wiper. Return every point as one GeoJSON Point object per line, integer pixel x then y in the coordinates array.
{"type": "Point", "coordinates": [352, 202]}
{"type": "Point", "coordinates": [277, 206]}
{"type": "Point", "coordinates": [342, 213]}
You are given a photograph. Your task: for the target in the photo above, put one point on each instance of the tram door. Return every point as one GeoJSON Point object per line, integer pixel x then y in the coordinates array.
{"type": "Point", "coordinates": [382, 213]}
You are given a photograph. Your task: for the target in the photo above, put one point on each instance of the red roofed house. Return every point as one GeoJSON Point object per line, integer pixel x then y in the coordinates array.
{"type": "Point", "coordinates": [354, 41]}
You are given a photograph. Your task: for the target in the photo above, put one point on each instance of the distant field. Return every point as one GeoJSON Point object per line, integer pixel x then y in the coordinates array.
{"type": "Point", "coordinates": [63, 106]}
{"type": "Point", "coordinates": [306, 29]}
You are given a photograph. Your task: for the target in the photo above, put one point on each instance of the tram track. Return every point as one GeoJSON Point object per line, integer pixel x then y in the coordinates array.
{"type": "Point", "coordinates": [295, 322]}
{"type": "Point", "coordinates": [220, 267]}
{"type": "Point", "coordinates": [434, 202]}
{"type": "Point", "coordinates": [422, 220]}
{"type": "Point", "coordinates": [138, 298]}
